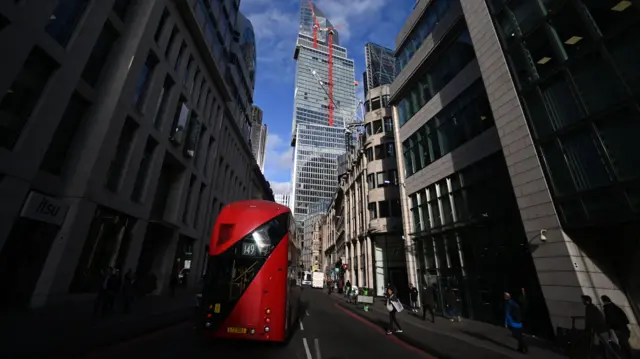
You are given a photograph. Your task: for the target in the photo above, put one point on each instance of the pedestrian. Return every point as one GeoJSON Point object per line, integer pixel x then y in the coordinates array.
{"type": "Point", "coordinates": [128, 291]}
{"type": "Point", "coordinates": [429, 303]}
{"type": "Point", "coordinates": [347, 288]}
{"type": "Point", "coordinates": [452, 305]}
{"type": "Point", "coordinates": [513, 322]}
{"type": "Point", "coordinates": [413, 296]}
{"type": "Point", "coordinates": [524, 309]}
{"type": "Point", "coordinates": [618, 321]}
{"type": "Point", "coordinates": [393, 306]}
{"type": "Point", "coordinates": [596, 325]}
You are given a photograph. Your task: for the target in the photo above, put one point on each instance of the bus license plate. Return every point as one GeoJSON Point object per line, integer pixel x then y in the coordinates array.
{"type": "Point", "coordinates": [237, 330]}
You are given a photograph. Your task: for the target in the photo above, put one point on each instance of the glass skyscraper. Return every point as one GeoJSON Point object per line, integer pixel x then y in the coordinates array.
{"type": "Point", "coordinates": [380, 64]}
{"type": "Point", "coordinates": [318, 145]}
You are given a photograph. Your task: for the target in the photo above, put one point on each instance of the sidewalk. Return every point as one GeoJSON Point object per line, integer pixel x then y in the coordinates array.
{"type": "Point", "coordinates": [453, 340]}
{"type": "Point", "coordinates": [69, 329]}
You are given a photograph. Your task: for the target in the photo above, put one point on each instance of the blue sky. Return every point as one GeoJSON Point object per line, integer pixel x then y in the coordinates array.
{"type": "Point", "coordinates": [276, 25]}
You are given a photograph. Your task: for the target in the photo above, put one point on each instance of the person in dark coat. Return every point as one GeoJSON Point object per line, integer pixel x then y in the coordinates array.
{"type": "Point", "coordinates": [524, 308]}
{"type": "Point", "coordinates": [617, 320]}
{"type": "Point", "coordinates": [429, 303]}
{"type": "Point", "coordinates": [595, 324]}
{"type": "Point", "coordinates": [452, 305]}
{"type": "Point", "coordinates": [413, 296]}
{"type": "Point", "coordinates": [513, 322]}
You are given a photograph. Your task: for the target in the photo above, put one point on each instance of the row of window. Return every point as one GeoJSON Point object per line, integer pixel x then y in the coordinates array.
{"type": "Point", "coordinates": [384, 125]}
{"type": "Point", "coordinates": [435, 12]}
{"type": "Point", "coordinates": [477, 193]}
{"type": "Point", "coordinates": [385, 209]}
{"type": "Point", "coordinates": [382, 179]}
{"type": "Point", "coordinates": [377, 103]}
{"type": "Point", "coordinates": [380, 152]}
{"type": "Point", "coordinates": [460, 121]}
{"type": "Point", "coordinates": [436, 76]}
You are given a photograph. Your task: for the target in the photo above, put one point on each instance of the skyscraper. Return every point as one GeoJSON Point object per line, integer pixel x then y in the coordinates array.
{"type": "Point", "coordinates": [282, 198]}
{"type": "Point", "coordinates": [317, 145]}
{"type": "Point", "coordinates": [380, 65]}
{"type": "Point", "coordinates": [258, 136]}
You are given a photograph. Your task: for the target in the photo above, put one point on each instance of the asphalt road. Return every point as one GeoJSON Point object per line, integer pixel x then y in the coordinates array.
{"type": "Point", "coordinates": [326, 331]}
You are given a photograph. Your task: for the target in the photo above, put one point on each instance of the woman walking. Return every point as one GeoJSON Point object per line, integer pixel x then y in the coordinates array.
{"type": "Point", "coordinates": [393, 306]}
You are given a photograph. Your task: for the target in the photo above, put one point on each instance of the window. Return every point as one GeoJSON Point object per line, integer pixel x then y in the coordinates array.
{"type": "Point", "coordinates": [380, 179]}
{"type": "Point", "coordinates": [396, 210]}
{"type": "Point", "coordinates": [120, 8]}
{"type": "Point", "coordinates": [415, 213]}
{"type": "Point", "coordinates": [379, 151]}
{"type": "Point", "coordinates": [180, 120]}
{"type": "Point", "coordinates": [201, 197]}
{"type": "Point", "coordinates": [390, 148]}
{"type": "Point", "coordinates": [187, 204]}
{"type": "Point", "coordinates": [56, 156]}
{"type": "Point", "coordinates": [193, 136]}
{"type": "Point", "coordinates": [187, 71]}
{"type": "Point", "coordinates": [447, 65]}
{"type": "Point", "coordinates": [183, 48]}
{"type": "Point", "coordinates": [618, 132]}
{"type": "Point", "coordinates": [161, 25]}
{"type": "Point", "coordinates": [163, 100]}
{"type": "Point", "coordinates": [373, 211]}
{"type": "Point", "coordinates": [100, 54]}
{"type": "Point", "coordinates": [23, 95]}
{"type": "Point", "coordinates": [64, 19]}
{"type": "Point", "coordinates": [384, 209]}
{"type": "Point", "coordinates": [172, 38]}
{"type": "Point", "coordinates": [144, 80]}
{"type": "Point", "coordinates": [377, 126]}
{"type": "Point", "coordinates": [388, 125]}
{"type": "Point", "coordinates": [139, 185]}
{"type": "Point", "coordinates": [371, 181]}
{"type": "Point", "coordinates": [461, 120]}
{"type": "Point", "coordinates": [393, 177]}
{"type": "Point", "coordinates": [121, 157]}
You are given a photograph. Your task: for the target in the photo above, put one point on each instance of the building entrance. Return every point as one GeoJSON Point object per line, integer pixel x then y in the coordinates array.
{"type": "Point", "coordinates": [22, 259]}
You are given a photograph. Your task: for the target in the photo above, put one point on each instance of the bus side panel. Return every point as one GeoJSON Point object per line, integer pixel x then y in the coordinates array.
{"type": "Point", "coordinates": [266, 291]}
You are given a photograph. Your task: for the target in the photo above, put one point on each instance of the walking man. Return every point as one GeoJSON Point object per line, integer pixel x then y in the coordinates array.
{"type": "Point", "coordinates": [513, 322]}
{"type": "Point", "coordinates": [429, 303]}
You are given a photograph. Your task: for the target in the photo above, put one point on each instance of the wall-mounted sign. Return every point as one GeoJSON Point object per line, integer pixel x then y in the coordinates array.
{"type": "Point", "coordinates": [44, 209]}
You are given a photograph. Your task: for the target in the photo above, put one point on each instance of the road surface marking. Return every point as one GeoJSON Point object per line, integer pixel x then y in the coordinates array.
{"type": "Point", "coordinates": [306, 348]}
{"type": "Point", "coordinates": [317, 344]}
{"type": "Point", "coordinates": [301, 326]}
{"type": "Point", "coordinates": [308, 313]}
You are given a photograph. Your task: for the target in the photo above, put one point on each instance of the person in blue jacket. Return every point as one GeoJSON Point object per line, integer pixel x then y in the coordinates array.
{"type": "Point", "coordinates": [513, 322]}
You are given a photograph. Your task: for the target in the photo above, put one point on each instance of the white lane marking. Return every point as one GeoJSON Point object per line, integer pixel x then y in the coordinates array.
{"type": "Point", "coordinates": [317, 344]}
{"type": "Point", "coordinates": [308, 313]}
{"type": "Point", "coordinates": [306, 348]}
{"type": "Point", "coordinates": [301, 326]}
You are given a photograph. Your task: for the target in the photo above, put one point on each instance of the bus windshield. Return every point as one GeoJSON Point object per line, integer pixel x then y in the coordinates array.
{"type": "Point", "coordinates": [230, 273]}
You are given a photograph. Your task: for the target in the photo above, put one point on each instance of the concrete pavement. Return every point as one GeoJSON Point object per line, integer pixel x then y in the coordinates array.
{"type": "Point", "coordinates": [326, 331]}
{"type": "Point", "coordinates": [70, 329]}
{"type": "Point", "coordinates": [445, 339]}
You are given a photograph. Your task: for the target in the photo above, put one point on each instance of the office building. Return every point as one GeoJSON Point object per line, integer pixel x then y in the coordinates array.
{"type": "Point", "coordinates": [258, 136]}
{"type": "Point", "coordinates": [316, 144]}
{"type": "Point", "coordinates": [519, 166]}
{"type": "Point", "coordinates": [283, 198]}
{"type": "Point", "coordinates": [121, 138]}
{"type": "Point", "coordinates": [380, 66]}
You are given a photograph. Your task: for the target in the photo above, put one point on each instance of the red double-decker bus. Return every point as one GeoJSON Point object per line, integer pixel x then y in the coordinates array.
{"type": "Point", "coordinates": [251, 289]}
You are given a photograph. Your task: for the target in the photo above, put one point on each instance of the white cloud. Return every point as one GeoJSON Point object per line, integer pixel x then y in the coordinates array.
{"type": "Point", "coordinates": [279, 156]}
{"type": "Point", "coordinates": [345, 14]}
{"type": "Point", "coordinates": [280, 187]}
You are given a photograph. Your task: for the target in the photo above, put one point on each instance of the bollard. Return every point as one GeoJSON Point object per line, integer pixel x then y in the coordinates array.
{"type": "Point", "coordinates": [366, 306]}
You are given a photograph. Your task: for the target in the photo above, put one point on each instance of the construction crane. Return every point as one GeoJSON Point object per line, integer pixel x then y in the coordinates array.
{"type": "Point", "coordinates": [330, 31]}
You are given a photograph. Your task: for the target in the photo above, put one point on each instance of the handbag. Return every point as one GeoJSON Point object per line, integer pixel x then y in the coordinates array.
{"type": "Point", "coordinates": [398, 306]}
{"type": "Point", "coordinates": [389, 306]}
